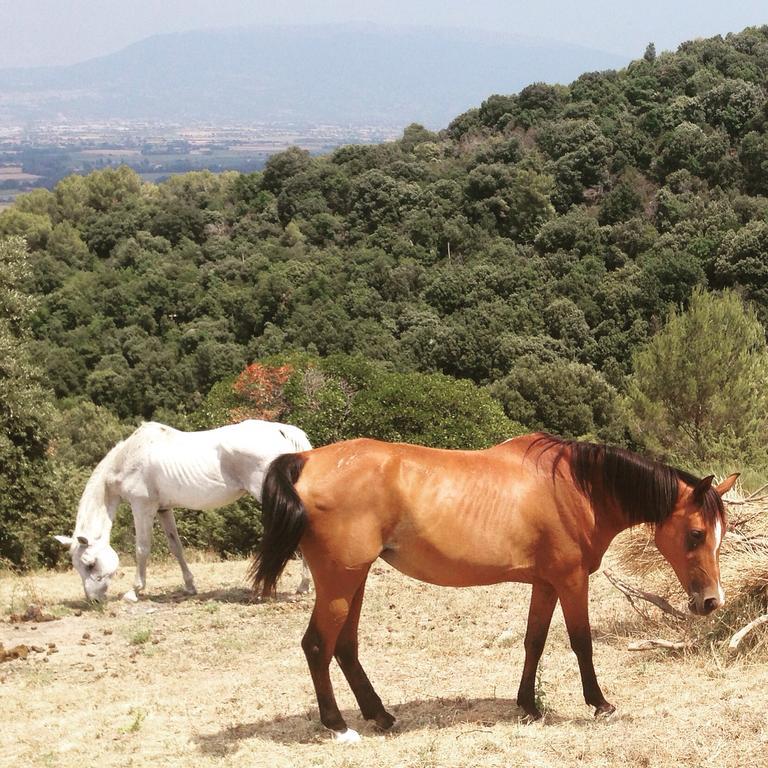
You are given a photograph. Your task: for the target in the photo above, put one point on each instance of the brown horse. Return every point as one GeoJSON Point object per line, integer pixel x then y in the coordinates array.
{"type": "Point", "coordinates": [534, 509]}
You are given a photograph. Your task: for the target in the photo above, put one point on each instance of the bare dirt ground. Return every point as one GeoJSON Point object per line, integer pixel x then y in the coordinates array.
{"type": "Point", "coordinates": [217, 680]}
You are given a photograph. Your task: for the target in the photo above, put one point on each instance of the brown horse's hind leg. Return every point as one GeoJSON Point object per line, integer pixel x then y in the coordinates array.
{"type": "Point", "coordinates": [334, 597]}
{"type": "Point", "coordinates": [347, 657]}
{"type": "Point", "coordinates": [543, 601]}
{"type": "Point", "coordinates": [575, 604]}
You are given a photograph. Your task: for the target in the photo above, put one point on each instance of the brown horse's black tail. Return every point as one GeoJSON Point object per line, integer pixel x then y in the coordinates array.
{"type": "Point", "coordinates": [284, 520]}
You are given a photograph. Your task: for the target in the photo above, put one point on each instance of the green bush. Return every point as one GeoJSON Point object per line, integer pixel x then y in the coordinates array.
{"type": "Point", "coordinates": [561, 396]}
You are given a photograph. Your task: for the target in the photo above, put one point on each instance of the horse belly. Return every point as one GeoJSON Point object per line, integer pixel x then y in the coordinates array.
{"type": "Point", "coordinates": [476, 535]}
{"type": "Point", "coordinates": [195, 490]}
{"type": "Point", "coordinates": [426, 563]}
{"type": "Point", "coordinates": [191, 498]}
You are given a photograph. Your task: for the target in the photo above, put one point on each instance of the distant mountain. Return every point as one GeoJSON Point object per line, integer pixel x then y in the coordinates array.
{"type": "Point", "coordinates": [359, 74]}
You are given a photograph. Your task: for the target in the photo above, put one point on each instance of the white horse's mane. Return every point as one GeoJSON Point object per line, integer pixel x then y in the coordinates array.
{"type": "Point", "coordinates": [94, 514]}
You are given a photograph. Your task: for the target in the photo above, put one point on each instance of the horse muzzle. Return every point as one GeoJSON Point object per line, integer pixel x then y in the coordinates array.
{"type": "Point", "coordinates": [702, 604]}
{"type": "Point", "coordinates": [97, 592]}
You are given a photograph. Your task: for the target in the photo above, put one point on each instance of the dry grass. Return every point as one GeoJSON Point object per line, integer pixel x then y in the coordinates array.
{"type": "Point", "coordinates": [219, 681]}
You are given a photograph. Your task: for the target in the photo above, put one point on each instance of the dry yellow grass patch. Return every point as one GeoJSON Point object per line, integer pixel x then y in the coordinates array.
{"type": "Point", "coordinates": [216, 680]}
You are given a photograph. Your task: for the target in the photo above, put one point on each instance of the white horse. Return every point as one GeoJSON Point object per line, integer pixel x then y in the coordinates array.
{"type": "Point", "coordinates": [158, 468]}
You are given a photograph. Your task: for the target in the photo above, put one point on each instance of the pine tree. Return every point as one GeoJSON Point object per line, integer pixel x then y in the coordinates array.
{"type": "Point", "coordinates": [698, 392]}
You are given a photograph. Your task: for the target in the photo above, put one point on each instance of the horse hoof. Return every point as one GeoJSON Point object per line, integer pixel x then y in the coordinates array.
{"type": "Point", "coordinates": [192, 590]}
{"type": "Point", "coordinates": [384, 720]}
{"type": "Point", "coordinates": [131, 597]}
{"type": "Point", "coordinates": [604, 711]}
{"type": "Point", "coordinates": [346, 737]}
{"type": "Point", "coordinates": [532, 713]}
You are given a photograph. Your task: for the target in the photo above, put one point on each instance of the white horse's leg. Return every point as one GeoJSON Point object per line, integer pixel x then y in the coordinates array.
{"type": "Point", "coordinates": [143, 518]}
{"type": "Point", "coordinates": [168, 522]}
{"type": "Point", "coordinates": [305, 585]}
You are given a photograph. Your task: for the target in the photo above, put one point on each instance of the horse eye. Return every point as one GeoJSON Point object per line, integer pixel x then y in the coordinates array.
{"type": "Point", "coordinates": [90, 566]}
{"type": "Point", "coordinates": [695, 537]}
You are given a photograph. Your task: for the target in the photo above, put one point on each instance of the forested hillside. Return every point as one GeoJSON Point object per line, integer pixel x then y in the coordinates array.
{"type": "Point", "coordinates": [535, 247]}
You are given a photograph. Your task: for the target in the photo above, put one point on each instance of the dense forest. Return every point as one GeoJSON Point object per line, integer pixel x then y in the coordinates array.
{"type": "Point", "coordinates": [589, 259]}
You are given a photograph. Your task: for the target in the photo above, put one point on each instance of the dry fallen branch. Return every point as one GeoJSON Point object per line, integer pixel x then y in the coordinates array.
{"type": "Point", "coordinates": [752, 495]}
{"type": "Point", "coordinates": [750, 500]}
{"type": "Point", "coordinates": [633, 593]}
{"type": "Point", "coordinates": [739, 522]}
{"type": "Point", "coordinates": [733, 646]}
{"type": "Point", "coordinates": [651, 643]}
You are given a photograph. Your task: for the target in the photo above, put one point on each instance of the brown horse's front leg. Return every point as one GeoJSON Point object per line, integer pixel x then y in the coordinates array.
{"type": "Point", "coordinates": [574, 600]}
{"type": "Point", "coordinates": [543, 601]}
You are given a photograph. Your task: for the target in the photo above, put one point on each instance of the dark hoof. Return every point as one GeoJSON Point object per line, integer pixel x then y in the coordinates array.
{"type": "Point", "coordinates": [532, 714]}
{"type": "Point", "coordinates": [604, 710]}
{"type": "Point", "coordinates": [383, 720]}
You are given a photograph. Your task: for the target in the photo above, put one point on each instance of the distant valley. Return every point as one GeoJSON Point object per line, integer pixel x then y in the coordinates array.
{"type": "Point", "coordinates": [41, 155]}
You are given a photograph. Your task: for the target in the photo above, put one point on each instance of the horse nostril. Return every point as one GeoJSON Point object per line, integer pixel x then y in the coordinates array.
{"type": "Point", "coordinates": [710, 604]}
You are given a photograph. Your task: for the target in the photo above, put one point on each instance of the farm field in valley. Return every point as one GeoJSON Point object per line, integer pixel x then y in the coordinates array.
{"type": "Point", "coordinates": [218, 680]}
{"type": "Point", "coordinates": [41, 155]}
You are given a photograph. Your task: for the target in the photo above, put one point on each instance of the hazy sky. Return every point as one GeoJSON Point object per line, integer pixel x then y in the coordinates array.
{"type": "Point", "coordinates": [36, 32]}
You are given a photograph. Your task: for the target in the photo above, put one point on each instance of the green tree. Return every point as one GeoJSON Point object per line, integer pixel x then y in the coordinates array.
{"type": "Point", "coordinates": [282, 166]}
{"type": "Point", "coordinates": [620, 204]}
{"type": "Point", "coordinates": [26, 413]}
{"type": "Point", "coordinates": [35, 228]}
{"type": "Point", "coordinates": [346, 396]}
{"type": "Point", "coordinates": [733, 105]}
{"type": "Point", "coordinates": [86, 433]}
{"type": "Point", "coordinates": [698, 394]}
{"type": "Point", "coordinates": [560, 396]}
{"type": "Point", "coordinates": [753, 154]}
{"type": "Point", "coordinates": [742, 262]}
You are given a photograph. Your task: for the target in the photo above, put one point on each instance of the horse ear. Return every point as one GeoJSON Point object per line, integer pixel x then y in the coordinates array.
{"type": "Point", "coordinates": [702, 487]}
{"type": "Point", "coordinates": [728, 483]}
{"type": "Point", "coordinates": [83, 540]}
{"type": "Point", "coordinates": [65, 540]}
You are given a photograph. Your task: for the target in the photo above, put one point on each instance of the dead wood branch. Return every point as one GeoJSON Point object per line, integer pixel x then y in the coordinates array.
{"type": "Point", "coordinates": [651, 643]}
{"type": "Point", "coordinates": [733, 646]}
{"type": "Point", "coordinates": [750, 500]}
{"type": "Point", "coordinates": [633, 593]}
{"type": "Point", "coordinates": [752, 495]}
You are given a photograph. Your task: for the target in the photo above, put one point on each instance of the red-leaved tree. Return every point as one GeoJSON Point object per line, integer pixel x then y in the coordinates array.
{"type": "Point", "coordinates": [261, 386]}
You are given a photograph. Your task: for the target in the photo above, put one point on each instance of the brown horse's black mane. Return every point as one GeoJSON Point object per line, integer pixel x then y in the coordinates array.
{"type": "Point", "coordinates": [645, 490]}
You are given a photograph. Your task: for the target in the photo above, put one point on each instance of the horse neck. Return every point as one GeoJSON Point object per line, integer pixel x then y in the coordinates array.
{"type": "Point", "coordinates": [610, 519]}
{"type": "Point", "coordinates": [96, 510]}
